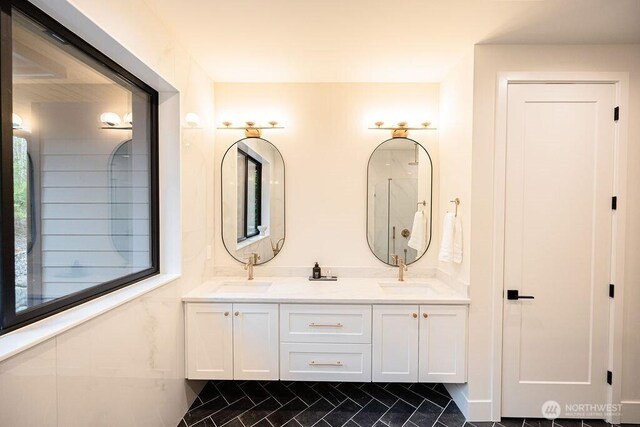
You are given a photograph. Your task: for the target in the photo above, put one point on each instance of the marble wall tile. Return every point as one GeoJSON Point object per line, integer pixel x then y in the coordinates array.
{"type": "Point", "coordinates": [27, 378]}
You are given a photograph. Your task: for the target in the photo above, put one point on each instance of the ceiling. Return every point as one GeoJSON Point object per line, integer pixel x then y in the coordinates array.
{"type": "Point", "coordinates": [376, 40]}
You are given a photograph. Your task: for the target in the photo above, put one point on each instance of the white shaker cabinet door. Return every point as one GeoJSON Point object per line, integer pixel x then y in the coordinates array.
{"type": "Point", "coordinates": [255, 341]}
{"type": "Point", "coordinates": [443, 338]}
{"type": "Point", "coordinates": [209, 340]}
{"type": "Point", "coordinates": [395, 343]}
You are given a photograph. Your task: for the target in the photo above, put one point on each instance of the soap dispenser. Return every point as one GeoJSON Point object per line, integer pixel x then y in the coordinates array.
{"type": "Point", "coordinates": [317, 273]}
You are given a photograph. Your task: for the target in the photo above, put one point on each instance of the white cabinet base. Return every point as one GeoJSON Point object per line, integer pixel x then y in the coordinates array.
{"type": "Point", "coordinates": [316, 342]}
{"type": "Point", "coordinates": [209, 341]}
{"type": "Point", "coordinates": [325, 362]}
{"type": "Point", "coordinates": [395, 343]}
{"type": "Point", "coordinates": [255, 341]}
{"type": "Point", "coordinates": [443, 349]}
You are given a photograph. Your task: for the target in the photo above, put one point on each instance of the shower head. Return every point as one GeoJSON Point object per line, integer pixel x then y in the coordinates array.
{"type": "Point", "coordinates": [415, 156]}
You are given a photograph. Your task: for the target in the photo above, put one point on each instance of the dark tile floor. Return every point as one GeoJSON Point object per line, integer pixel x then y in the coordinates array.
{"type": "Point", "coordinates": [306, 404]}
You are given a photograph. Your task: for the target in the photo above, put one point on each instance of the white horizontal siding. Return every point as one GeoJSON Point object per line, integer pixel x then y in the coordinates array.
{"type": "Point", "coordinates": [96, 259]}
{"type": "Point", "coordinates": [85, 239]}
{"type": "Point", "coordinates": [85, 274]}
{"type": "Point", "coordinates": [94, 243]}
{"type": "Point", "coordinates": [95, 211]}
{"type": "Point", "coordinates": [97, 162]}
{"type": "Point", "coordinates": [137, 227]}
{"type": "Point", "coordinates": [92, 179]}
{"type": "Point", "coordinates": [75, 194]}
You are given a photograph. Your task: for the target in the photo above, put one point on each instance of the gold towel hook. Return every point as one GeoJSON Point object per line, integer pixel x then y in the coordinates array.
{"type": "Point", "coordinates": [457, 202]}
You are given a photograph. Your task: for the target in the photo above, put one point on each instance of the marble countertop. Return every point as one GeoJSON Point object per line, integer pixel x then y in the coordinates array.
{"type": "Point", "coordinates": [344, 291]}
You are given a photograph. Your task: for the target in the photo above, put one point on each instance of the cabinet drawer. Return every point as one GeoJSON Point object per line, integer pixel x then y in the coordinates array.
{"type": "Point", "coordinates": [325, 323]}
{"type": "Point", "coordinates": [325, 362]}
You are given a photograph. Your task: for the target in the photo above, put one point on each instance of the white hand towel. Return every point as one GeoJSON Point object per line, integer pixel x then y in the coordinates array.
{"type": "Point", "coordinates": [448, 231]}
{"type": "Point", "coordinates": [418, 239]}
{"type": "Point", "coordinates": [457, 241]}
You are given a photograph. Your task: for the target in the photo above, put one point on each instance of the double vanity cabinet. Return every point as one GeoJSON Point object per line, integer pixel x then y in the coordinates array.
{"type": "Point", "coordinates": [326, 332]}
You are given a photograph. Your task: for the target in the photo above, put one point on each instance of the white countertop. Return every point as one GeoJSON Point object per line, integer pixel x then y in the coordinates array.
{"type": "Point", "coordinates": [344, 291]}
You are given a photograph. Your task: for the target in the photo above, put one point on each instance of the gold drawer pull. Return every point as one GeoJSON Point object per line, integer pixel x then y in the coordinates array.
{"type": "Point", "coordinates": [226, 313]}
{"type": "Point", "coordinates": [325, 364]}
{"type": "Point", "coordinates": [425, 315]}
{"type": "Point", "coordinates": [326, 325]}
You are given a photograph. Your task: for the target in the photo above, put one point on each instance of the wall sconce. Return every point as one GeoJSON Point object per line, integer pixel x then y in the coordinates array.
{"type": "Point", "coordinates": [251, 130]}
{"type": "Point", "coordinates": [16, 121]}
{"type": "Point", "coordinates": [402, 129]}
{"type": "Point", "coordinates": [192, 120]}
{"type": "Point", "coordinates": [111, 120]}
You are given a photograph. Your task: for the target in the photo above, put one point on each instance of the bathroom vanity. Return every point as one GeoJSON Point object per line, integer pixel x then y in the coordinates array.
{"type": "Point", "coordinates": [351, 330]}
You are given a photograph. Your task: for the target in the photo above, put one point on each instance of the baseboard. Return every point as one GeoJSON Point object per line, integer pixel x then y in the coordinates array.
{"type": "Point", "coordinates": [630, 412]}
{"type": "Point", "coordinates": [473, 410]}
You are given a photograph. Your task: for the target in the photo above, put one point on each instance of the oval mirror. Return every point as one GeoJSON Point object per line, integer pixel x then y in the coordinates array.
{"type": "Point", "coordinates": [253, 200]}
{"type": "Point", "coordinates": [399, 200]}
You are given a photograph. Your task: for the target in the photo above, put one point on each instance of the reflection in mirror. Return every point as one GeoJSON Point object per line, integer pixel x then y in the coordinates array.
{"type": "Point", "coordinates": [253, 200]}
{"type": "Point", "coordinates": [399, 197]}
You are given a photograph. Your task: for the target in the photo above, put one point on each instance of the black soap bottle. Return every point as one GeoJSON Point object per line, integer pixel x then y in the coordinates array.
{"type": "Point", "coordinates": [317, 272]}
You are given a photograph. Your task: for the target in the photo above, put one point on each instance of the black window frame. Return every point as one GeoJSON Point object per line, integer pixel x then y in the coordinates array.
{"type": "Point", "coordinates": [248, 158]}
{"type": "Point", "coordinates": [9, 319]}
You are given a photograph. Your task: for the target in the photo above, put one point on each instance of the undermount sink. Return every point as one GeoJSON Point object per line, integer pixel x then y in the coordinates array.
{"type": "Point", "coordinates": [243, 287]}
{"type": "Point", "coordinates": [405, 287]}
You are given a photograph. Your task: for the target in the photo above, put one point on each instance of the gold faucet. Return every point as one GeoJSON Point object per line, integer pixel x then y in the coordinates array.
{"type": "Point", "coordinates": [251, 261]}
{"type": "Point", "coordinates": [402, 267]}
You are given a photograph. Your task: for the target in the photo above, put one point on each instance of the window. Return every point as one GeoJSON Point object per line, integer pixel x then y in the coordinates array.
{"type": "Point", "coordinates": [78, 163]}
{"type": "Point", "coordinates": [249, 195]}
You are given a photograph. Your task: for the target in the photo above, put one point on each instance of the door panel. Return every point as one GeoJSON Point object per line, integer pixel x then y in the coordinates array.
{"type": "Point", "coordinates": [559, 184]}
{"type": "Point", "coordinates": [255, 341]}
{"type": "Point", "coordinates": [209, 341]}
{"type": "Point", "coordinates": [395, 343]}
{"type": "Point", "coordinates": [443, 339]}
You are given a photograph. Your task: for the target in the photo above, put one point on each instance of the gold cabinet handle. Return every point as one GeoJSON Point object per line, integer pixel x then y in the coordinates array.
{"type": "Point", "coordinates": [312, 363]}
{"type": "Point", "coordinates": [226, 313]}
{"type": "Point", "coordinates": [237, 313]}
{"type": "Point", "coordinates": [415, 315]}
{"type": "Point", "coordinates": [326, 325]}
{"type": "Point", "coordinates": [425, 315]}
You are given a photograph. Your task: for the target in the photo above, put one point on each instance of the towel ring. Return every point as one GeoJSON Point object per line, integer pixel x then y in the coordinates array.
{"type": "Point", "coordinates": [457, 202]}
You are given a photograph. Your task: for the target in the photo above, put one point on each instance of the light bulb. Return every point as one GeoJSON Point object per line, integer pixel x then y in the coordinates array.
{"type": "Point", "coordinates": [110, 119]}
{"type": "Point", "coordinates": [16, 120]}
{"type": "Point", "coordinates": [128, 118]}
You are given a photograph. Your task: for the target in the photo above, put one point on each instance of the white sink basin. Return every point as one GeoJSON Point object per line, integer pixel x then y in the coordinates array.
{"type": "Point", "coordinates": [243, 287]}
{"type": "Point", "coordinates": [405, 287]}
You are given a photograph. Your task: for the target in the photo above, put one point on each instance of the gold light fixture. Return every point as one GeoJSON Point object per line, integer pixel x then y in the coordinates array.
{"type": "Point", "coordinates": [401, 130]}
{"type": "Point", "coordinates": [251, 130]}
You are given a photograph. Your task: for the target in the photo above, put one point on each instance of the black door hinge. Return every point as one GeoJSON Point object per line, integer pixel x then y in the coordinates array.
{"type": "Point", "coordinates": [609, 377]}
{"type": "Point", "coordinates": [611, 290]}
{"type": "Point", "coordinates": [616, 114]}
{"type": "Point", "coordinates": [614, 202]}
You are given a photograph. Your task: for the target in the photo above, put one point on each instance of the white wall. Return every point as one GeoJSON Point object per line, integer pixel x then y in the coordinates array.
{"type": "Point", "coordinates": [456, 118]}
{"type": "Point", "coordinates": [326, 147]}
{"type": "Point", "coordinates": [126, 367]}
{"type": "Point", "coordinates": [490, 60]}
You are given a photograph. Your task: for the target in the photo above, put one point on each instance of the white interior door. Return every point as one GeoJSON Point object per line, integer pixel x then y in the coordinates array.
{"type": "Point", "coordinates": [559, 185]}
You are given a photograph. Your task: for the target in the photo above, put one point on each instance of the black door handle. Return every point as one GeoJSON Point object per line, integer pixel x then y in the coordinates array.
{"type": "Point", "coordinates": [514, 294]}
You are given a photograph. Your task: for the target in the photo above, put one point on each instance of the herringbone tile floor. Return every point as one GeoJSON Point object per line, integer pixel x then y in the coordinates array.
{"type": "Point", "coordinates": [307, 404]}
